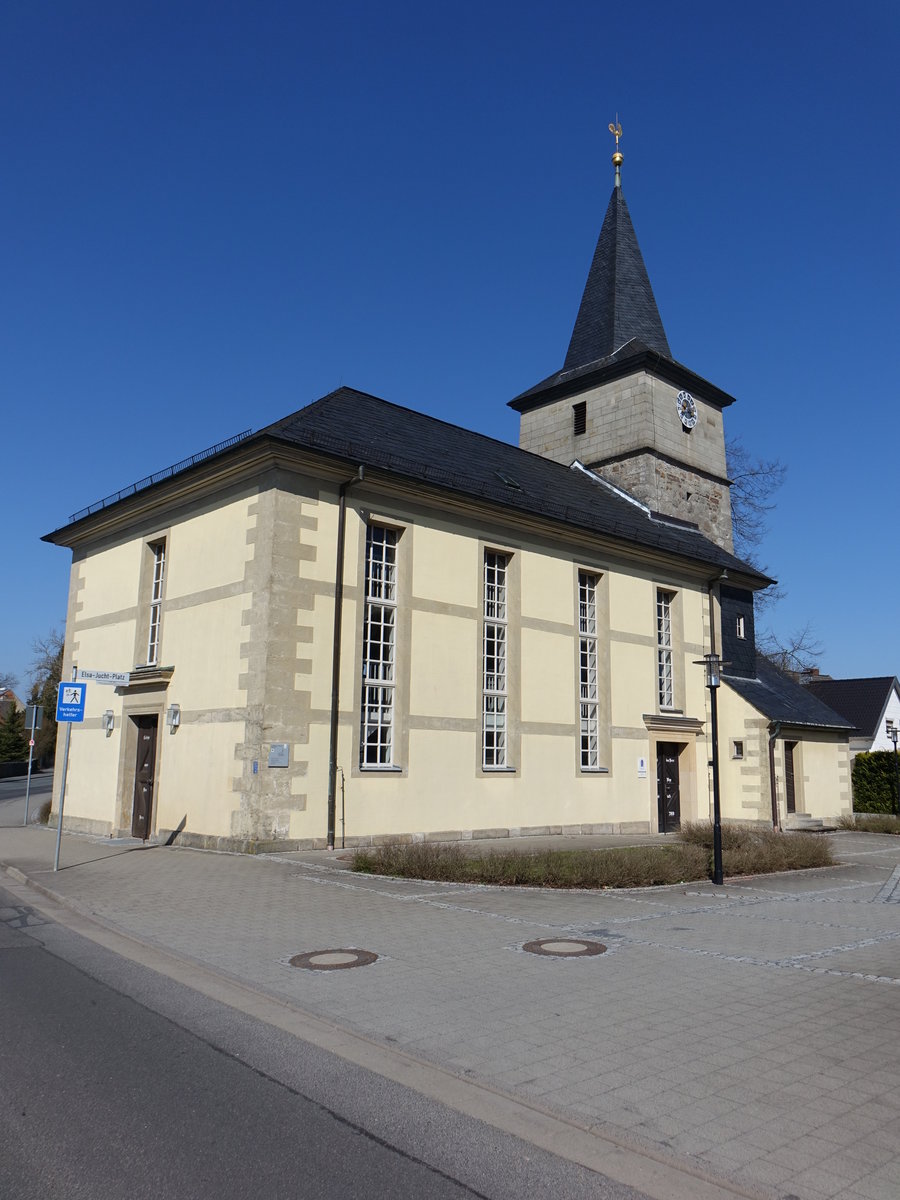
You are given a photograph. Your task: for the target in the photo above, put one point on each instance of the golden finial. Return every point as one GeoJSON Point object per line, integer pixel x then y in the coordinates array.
{"type": "Point", "coordinates": [616, 130]}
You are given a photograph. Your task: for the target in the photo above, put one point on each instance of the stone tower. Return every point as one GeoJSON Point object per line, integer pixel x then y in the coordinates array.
{"type": "Point", "coordinates": [621, 405]}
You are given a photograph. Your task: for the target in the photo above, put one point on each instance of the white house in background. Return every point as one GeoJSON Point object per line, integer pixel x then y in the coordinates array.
{"type": "Point", "coordinates": [870, 705]}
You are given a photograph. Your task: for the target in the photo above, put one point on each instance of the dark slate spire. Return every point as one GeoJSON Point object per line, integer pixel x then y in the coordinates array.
{"type": "Point", "coordinates": [618, 303]}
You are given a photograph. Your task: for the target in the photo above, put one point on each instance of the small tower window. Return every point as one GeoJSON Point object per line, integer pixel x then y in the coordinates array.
{"type": "Point", "coordinates": [741, 628]}
{"type": "Point", "coordinates": [579, 414]}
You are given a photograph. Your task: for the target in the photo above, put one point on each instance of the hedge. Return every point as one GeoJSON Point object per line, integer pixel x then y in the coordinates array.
{"type": "Point", "coordinates": [875, 782]}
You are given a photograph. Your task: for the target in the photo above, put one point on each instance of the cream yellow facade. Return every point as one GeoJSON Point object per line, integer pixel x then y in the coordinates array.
{"type": "Point", "coordinates": [245, 656]}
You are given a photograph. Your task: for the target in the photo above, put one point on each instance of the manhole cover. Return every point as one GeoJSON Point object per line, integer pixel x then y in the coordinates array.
{"type": "Point", "coordinates": [333, 960]}
{"type": "Point", "coordinates": [565, 947]}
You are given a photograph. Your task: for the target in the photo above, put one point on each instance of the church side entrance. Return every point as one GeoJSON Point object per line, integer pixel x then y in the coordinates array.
{"type": "Point", "coordinates": [789, 785]}
{"type": "Point", "coordinates": [144, 773]}
{"type": "Point", "coordinates": [668, 786]}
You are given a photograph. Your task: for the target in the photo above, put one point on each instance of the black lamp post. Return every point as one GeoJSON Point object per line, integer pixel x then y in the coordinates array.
{"type": "Point", "coordinates": [713, 665]}
{"type": "Point", "coordinates": [892, 733]}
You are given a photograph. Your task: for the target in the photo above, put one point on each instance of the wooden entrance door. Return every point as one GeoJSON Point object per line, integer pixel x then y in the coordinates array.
{"type": "Point", "coordinates": [144, 770]}
{"type": "Point", "coordinates": [789, 789]}
{"type": "Point", "coordinates": [668, 797]}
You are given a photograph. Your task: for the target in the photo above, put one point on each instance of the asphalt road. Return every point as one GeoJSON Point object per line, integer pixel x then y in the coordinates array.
{"type": "Point", "coordinates": [117, 1081]}
{"type": "Point", "coordinates": [12, 792]}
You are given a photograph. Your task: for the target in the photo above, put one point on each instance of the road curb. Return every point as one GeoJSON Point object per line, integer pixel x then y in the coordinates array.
{"type": "Point", "coordinates": [647, 1169]}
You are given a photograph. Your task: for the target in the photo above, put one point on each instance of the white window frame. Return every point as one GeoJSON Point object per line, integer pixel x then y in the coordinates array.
{"type": "Point", "coordinates": [741, 627]}
{"type": "Point", "coordinates": [158, 550]}
{"type": "Point", "coordinates": [588, 682]}
{"type": "Point", "coordinates": [665, 682]}
{"type": "Point", "coordinates": [379, 654]}
{"type": "Point", "coordinates": [495, 662]}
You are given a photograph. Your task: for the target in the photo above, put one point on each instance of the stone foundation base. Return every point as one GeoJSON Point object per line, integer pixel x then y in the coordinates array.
{"type": "Point", "coordinates": [227, 845]}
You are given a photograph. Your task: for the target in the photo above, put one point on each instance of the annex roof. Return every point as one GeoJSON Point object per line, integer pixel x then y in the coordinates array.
{"type": "Point", "coordinates": [779, 698]}
{"type": "Point", "coordinates": [861, 701]}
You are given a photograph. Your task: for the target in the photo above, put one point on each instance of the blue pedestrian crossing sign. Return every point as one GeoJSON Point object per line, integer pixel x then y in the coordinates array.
{"type": "Point", "coordinates": [70, 701]}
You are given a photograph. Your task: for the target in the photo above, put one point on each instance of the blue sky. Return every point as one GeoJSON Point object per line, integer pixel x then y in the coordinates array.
{"type": "Point", "coordinates": [214, 213]}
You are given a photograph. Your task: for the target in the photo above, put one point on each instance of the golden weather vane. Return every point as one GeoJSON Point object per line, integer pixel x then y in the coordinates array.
{"type": "Point", "coordinates": [616, 130]}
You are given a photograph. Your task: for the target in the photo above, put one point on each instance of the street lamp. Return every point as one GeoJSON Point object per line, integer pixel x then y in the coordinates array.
{"type": "Point", "coordinates": [713, 678]}
{"type": "Point", "coordinates": [892, 732]}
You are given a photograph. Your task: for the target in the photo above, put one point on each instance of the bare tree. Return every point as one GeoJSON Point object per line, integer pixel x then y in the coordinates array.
{"type": "Point", "coordinates": [754, 482]}
{"type": "Point", "coordinates": [796, 654]}
{"type": "Point", "coordinates": [46, 672]}
{"type": "Point", "coordinates": [7, 681]}
{"type": "Point", "coordinates": [48, 656]}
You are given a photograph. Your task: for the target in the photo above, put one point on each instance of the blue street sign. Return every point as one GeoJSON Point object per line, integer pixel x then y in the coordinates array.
{"type": "Point", "coordinates": [70, 702]}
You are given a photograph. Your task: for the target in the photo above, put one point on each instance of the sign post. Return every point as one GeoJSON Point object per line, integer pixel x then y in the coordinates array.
{"type": "Point", "coordinates": [34, 716]}
{"type": "Point", "coordinates": [69, 708]}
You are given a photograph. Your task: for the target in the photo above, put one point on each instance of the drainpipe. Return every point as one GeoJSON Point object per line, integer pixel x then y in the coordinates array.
{"type": "Point", "coordinates": [774, 730]}
{"type": "Point", "coordinates": [336, 651]}
{"type": "Point", "coordinates": [719, 579]}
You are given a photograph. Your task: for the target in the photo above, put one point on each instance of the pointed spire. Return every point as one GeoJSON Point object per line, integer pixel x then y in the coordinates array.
{"type": "Point", "coordinates": [618, 303]}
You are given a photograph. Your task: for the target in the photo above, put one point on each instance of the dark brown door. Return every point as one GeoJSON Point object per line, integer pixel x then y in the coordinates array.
{"type": "Point", "coordinates": [789, 776]}
{"type": "Point", "coordinates": [143, 776]}
{"type": "Point", "coordinates": [667, 787]}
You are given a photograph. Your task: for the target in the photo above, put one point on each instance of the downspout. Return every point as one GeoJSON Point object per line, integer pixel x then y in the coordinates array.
{"type": "Point", "coordinates": [712, 614]}
{"type": "Point", "coordinates": [336, 650]}
{"type": "Point", "coordinates": [774, 730]}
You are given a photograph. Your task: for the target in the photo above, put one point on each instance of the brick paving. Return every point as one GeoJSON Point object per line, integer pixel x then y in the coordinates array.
{"type": "Point", "coordinates": [754, 1029]}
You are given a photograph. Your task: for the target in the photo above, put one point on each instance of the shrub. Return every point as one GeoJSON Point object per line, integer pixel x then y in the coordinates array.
{"type": "Point", "coordinates": [875, 782]}
{"type": "Point", "coordinates": [757, 850]}
{"type": "Point", "coordinates": [871, 823]}
{"type": "Point", "coordinates": [745, 851]}
{"type": "Point", "coordinates": [43, 813]}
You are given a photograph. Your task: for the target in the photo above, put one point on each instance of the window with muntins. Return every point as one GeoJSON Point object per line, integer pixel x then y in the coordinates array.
{"type": "Point", "coordinates": [494, 662]}
{"type": "Point", "coordinates": [158, 551]}
{"type": "Point", "coordinates": [379, 648]}
{"type": "Point", "coordinates": [664, 601]}
{"type": "Point", "coordinates": [588, 694]}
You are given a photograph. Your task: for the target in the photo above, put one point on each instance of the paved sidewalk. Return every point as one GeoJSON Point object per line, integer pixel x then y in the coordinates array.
{"type": "Point", "coordinates": [753, 1029]}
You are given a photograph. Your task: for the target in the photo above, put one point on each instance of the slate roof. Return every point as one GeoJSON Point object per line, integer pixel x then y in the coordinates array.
{"type": "Point", "coordinates": [364, 430]}
{"type": "Point", "coordinates": [618, 329]}
{"type": "Point", "coordinates": [779, 698]}
{"type": "Point", "coordinates": [861, 701]}
{"type": "Point", "coordinates": [618, 304]}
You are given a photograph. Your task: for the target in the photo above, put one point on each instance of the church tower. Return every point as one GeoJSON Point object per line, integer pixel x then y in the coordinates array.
{"type": "Point", "coordinates": [621, 405]}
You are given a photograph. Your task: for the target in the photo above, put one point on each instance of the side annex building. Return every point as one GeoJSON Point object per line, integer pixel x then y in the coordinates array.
{"type": "Point", "coordinates": [363, 622]}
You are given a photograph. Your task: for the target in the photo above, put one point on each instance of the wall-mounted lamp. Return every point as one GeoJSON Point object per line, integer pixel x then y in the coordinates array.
{"type": "Point", "coordinates": [108, 721]}
{"type": "Point", "coordinates": [173, 717]}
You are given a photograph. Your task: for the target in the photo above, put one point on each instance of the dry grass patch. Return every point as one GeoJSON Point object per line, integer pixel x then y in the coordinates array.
{"type": "Point", "coordinates": [745, 852]}
{"type": "Point", "coordinates": [870, 823]}
{"type": "Point", "coordinates": [755, 850]}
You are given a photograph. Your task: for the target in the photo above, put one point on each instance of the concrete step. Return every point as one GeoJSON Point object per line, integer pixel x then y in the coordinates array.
{"type": "Point", "coordinates": [802, 823]}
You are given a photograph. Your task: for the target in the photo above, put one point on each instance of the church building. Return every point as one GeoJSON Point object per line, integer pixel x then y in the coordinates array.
{"type": "Point", "coordinates": [362, 622]}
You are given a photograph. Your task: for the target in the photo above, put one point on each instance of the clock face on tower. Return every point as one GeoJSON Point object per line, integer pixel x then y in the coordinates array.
{"type": "Point", "coordinates": [687, 409]}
